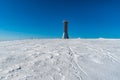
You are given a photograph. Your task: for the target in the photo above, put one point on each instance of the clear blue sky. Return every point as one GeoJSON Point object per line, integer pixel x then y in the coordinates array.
{"type": "Point", "coordinates": [21, 19]}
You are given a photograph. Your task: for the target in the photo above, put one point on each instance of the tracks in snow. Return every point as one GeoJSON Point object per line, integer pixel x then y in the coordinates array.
{"type": "Point", "coordinates": [80, 72]}
{"type": "Point", "coordinates": [75, 61]}
{"type": "Point", "coordinates": [103, 51]}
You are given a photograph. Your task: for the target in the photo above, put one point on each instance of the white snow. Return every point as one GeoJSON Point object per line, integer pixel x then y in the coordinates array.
{"type": "Point", "coordinates": [58, 59]}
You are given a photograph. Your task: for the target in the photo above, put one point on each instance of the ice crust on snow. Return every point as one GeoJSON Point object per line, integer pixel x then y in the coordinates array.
{"type": "Point", "coordinates": [58, 59]}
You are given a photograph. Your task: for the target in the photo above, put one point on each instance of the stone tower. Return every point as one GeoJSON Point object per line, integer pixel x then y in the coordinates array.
{"type": "Point", "coordinates": [65, 30]}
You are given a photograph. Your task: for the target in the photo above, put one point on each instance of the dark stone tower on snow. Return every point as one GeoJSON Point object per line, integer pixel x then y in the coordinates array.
{"type": "Point", "coordinates": [65, 30]}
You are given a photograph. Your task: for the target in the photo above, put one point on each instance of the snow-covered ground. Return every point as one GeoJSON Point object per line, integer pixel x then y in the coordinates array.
{"type": "Point", "coordinates": [57, 59]}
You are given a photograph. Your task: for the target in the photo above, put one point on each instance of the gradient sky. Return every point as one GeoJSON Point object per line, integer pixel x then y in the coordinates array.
{"type": "Point", "coordinates": [20, 19]}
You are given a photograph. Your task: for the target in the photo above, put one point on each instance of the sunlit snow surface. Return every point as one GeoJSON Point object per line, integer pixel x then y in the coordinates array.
{"type": "Point", "coordinates": [57, 59]}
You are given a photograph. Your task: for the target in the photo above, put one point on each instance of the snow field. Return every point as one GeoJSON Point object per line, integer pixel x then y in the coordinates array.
{"type": "Point", "coordinates": [57, 59]}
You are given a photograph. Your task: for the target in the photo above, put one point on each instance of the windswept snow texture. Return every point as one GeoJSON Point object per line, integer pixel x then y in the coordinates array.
{"type": "Point", "coordinates": [57, 59]}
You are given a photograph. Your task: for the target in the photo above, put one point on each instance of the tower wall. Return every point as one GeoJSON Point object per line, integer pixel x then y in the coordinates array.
{"type": "Point", "coordinates": [65, 30]}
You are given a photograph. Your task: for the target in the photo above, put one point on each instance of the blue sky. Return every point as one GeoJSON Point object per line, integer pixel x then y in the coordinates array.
{"type": "Point", "coordinates": [20, 19]}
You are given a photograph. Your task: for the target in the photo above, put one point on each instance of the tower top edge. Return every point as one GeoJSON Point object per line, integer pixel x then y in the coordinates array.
{"type": "Point", "coordinates": [65, 21]}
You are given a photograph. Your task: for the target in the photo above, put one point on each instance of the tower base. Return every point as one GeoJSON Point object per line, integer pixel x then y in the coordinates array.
{"type": "Point", "coordinates": [65, 36]}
